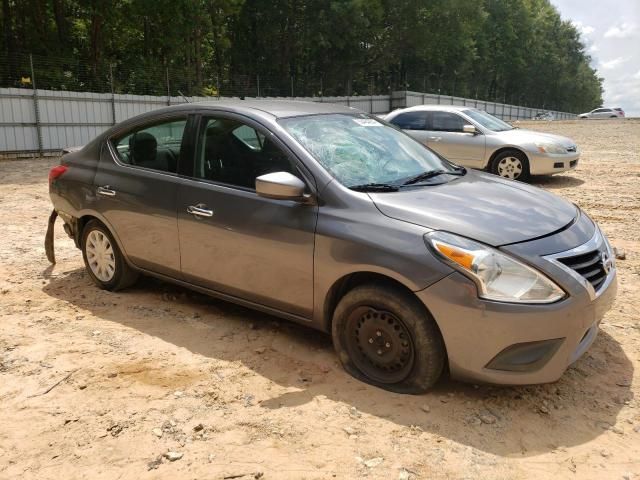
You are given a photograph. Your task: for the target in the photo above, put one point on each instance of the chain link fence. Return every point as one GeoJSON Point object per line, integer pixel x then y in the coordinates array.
{"type": "Point", "coordinates": [50, 103]}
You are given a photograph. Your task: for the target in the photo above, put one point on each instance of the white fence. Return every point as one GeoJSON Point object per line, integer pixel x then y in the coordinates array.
{"type": "Point", "coordinates": [500, 110]}
{"type": "Point", "coordinates": [44, 121]}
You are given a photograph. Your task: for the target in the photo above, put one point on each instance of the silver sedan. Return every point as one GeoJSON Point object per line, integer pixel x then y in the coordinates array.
{"type": "Point", "coordinates": [475, 139]}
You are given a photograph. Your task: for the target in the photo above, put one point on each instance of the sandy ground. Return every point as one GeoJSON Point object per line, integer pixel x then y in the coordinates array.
{"type": "Point", "coordinates": [158, 369]}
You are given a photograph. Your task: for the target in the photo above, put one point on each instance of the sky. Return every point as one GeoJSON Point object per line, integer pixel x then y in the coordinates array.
{"type": "Point", "coordinates": [611, 31]}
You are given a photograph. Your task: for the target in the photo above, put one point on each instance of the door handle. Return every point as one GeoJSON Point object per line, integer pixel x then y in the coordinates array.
{"type": "Point", "coordinates": [199, 211]}
{"type": "Point", "coordinates": [435, 139]}
{"type": "Point", "coordinates": [106, 191]}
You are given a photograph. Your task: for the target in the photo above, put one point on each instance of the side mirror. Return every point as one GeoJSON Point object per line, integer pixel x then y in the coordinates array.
{"type": "Point", "coordinates": [281, 186]}
{"type": "Point", "coordinates": [470, 129]}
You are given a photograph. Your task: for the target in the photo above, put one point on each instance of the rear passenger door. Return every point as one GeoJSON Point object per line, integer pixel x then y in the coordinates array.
{"type": "Point", "coordinates": [446, 136]}
{"type": "Point", "coordinates": [136, 190]}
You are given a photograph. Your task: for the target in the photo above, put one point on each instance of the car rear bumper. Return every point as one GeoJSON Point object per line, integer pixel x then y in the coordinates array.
{"type": "Point", "coordinates": [550, 164]}
{"type": "Point", "coordinates": [500, 343]}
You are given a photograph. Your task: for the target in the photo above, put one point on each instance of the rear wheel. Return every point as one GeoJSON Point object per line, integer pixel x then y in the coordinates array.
{"type": "Point", "coordinates": [511, 164]}
{"type": "Point", "coordinates": [385, 337]}
{"type": "Point", "coordinates": [104, 260]}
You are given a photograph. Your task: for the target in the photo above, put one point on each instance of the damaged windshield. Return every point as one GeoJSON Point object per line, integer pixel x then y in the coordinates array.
{"type": "Point", "coordinates": [360, 151]}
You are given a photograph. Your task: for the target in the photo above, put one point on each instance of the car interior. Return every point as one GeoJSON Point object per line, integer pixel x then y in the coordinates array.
{"type": "Point", "coordinates": [156, 147]}
{"type": "Point", "coordinates": [236, 154]}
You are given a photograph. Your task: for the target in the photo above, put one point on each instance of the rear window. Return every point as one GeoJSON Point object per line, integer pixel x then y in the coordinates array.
{"type": "Point", "coordinates": [410, 121]}
{"type": "Point", "coordinates": [155, 146]}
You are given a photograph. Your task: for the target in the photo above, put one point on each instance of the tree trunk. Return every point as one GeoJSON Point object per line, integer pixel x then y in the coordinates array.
{"type": "Point", "coordinates": [61, 22]}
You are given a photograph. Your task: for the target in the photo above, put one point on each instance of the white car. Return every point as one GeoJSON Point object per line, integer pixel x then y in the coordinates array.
{"type": "Point", "coordinates": [603, 113]}
{"type": "Point", "coordinates": [473, 138]}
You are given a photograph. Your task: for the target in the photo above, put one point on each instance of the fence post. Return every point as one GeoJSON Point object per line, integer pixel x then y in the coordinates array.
{"type": "Point", "coordinates": [292, 85]}
{"type": "Point", "coordinates": [113, 96]}
{"type": "Point", "coordinates": [423, 99]}
{"type": "Point", "coordinates": [258, 85]}
{"type": "Point", "coordinates": [218, 86]}
{"type": "Point", "coordinates": [166, 70]}
{"type": "Point", "coordinates": [35, 105]}
{"type": "Point", "coordinates": [321, 90]}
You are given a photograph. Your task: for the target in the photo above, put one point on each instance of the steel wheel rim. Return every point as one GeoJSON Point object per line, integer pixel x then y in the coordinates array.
{"type": "Point", "coordinates": [100, 256]}
{"type": "Point", "coordinates": [510, 167]}
{"type": "Point", "coordinates": [379, 344]}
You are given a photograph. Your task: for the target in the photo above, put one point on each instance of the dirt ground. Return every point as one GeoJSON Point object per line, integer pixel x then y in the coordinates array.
{"type": "Point", "coordinates": [100, 385]}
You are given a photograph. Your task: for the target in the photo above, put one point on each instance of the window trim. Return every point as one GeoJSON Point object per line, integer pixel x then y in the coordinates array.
{"type": "Point", "coordinates": [156, 121]}
{"type": "Point", "coordinates": [199, 120]}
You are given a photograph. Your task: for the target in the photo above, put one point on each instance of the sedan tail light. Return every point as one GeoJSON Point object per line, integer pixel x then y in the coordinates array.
{"type": "Point", "coordinates": [56, 172]}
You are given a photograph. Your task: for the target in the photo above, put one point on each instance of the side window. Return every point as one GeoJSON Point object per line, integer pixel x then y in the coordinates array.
{"type": "Point", "coordinates": [411, 121]}
{"type": "Point", "coordinates": [154, 146]}
{"type": "Point", "coordinates": [447, 122]}
{"type": "Point", "coordinates": [234, 153]}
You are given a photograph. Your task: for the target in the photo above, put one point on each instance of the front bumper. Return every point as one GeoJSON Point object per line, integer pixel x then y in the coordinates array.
{"type": "Point", "coordinates": [550, 164]}
{"type": "Point", "coordinates": [519, 344]}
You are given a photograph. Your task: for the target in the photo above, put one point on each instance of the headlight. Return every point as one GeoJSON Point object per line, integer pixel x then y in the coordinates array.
{"type": "Point", "coordinates": [554, 148]}
{"type": "Point", "coordinates": [498, 276]}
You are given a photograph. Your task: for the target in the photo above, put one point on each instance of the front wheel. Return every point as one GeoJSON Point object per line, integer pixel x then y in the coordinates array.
{"type": "Point", "coordinates": [385, 337]}
{"type": "Point", "coordinates": [104, 260]}
{"type": "Point", "coordinates": [511, 164]}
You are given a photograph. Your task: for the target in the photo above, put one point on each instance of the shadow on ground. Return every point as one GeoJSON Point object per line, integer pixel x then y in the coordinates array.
{"type": "Point", "coordinates": [298, 357]}
{"type": "Point", "coordinates": [553, 182]}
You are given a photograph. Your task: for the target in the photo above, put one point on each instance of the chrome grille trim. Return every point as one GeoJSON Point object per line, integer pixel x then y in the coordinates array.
{"type": "Point", "coordinates": [581, 261]}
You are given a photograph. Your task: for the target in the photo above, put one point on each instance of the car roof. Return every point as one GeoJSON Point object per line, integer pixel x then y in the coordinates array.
{"type": "Point", "coordinates": [273, 107]}
{"type": "Point", "coordinates": [442, 108]}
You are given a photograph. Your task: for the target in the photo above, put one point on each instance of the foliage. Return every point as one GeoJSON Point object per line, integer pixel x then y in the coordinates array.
{"type": "Point", "coordinates": [518, 51]}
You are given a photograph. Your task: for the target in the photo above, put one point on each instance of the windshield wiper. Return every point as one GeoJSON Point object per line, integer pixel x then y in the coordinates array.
{"type": "Point", "coordinates": [434, 173]}
{"type": "Point", "coordinates": [375, 187]}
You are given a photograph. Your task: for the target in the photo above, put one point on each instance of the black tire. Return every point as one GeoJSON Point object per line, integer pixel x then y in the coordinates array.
{"type": "Point", "coordinates": [522, 175]}
{"type": "Point", "coordinates": [122, 275]}
{"type": "Point", "coordinates": [413, 352]}
{"type": "Point", "coordinates": [613, 116]}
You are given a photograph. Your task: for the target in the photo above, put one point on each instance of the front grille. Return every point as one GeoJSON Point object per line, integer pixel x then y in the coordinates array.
{"type": "Point", "coordinates": [589, 265]}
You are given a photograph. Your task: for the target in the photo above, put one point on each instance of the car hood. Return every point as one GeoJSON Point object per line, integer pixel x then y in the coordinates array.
{"type": "Point", "coordinates": [518, 135]}
{"type": "Point", "coordinates": [480, 206]}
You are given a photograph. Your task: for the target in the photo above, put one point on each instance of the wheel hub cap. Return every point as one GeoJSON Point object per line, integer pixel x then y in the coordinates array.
{"type": "Point", "coordinates": [510, 167]}
{"type": "Point", "coordinates": [100, 256]}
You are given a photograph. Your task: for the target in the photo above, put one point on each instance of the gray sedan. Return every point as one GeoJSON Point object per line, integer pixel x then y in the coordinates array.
{"type": "Point", "coordinates": [475, 139]}
{"type": "Point", "coordinates": [326, 216]}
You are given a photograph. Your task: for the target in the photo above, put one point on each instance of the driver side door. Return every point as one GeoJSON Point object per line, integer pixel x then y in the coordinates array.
{"type": "Point", "coordinates": [445, 135]}
{"type": "Point", "coordinates": [231, 239]}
